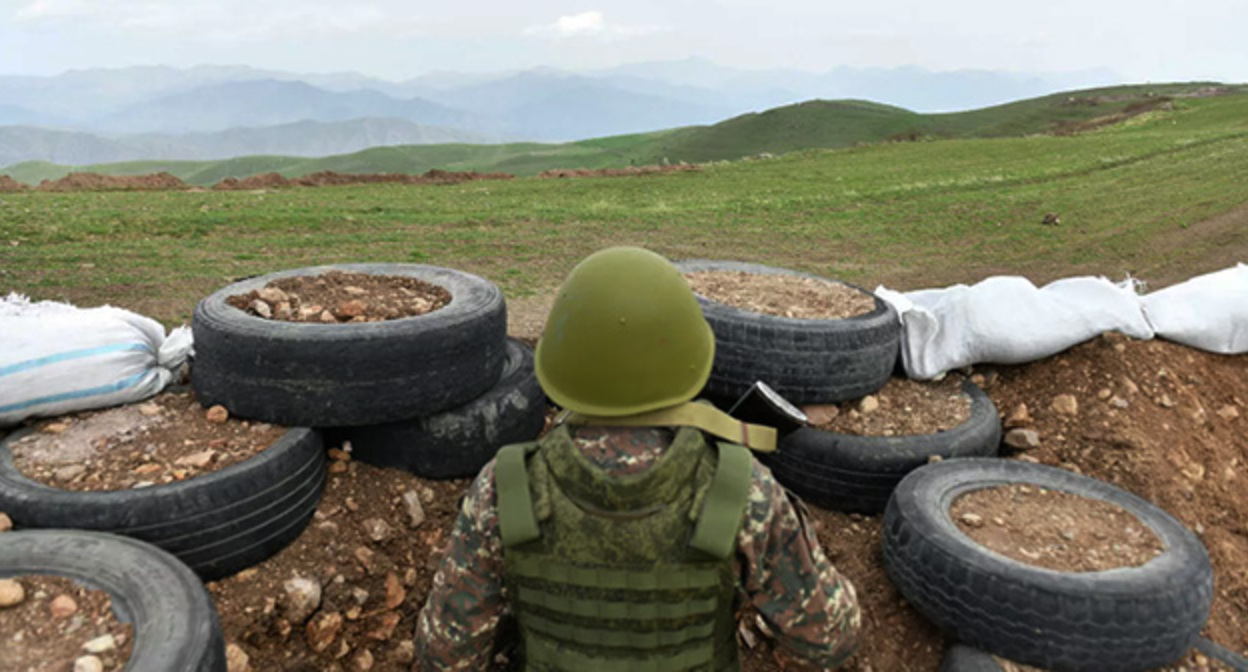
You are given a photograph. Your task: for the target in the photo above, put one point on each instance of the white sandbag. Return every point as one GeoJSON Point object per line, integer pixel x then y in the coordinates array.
{"type": "Point", "coordinates": [1007, 320]}
{"type": "Point", "coordinates": [56, 358]}
{"type": "Point", "coordinates": [1209, 312]}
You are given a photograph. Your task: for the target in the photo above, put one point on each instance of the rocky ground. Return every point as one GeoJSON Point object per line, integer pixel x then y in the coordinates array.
{"type": "Point", "coordinates": [1161, 420]}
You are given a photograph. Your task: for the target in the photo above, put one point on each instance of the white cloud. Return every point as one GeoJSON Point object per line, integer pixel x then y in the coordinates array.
{"type": "Point", "coordinates": [221, 20]}
{"type": "Point", "coordinates": [589, 24]}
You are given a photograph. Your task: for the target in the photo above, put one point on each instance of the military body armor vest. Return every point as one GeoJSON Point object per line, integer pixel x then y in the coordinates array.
{"type": "Point", "coordinates": [623, 573]}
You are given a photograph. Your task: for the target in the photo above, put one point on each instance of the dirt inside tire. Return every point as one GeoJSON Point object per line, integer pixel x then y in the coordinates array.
{"type": "Point", "coordinates": [337, 297]}
{"type": "Point", "coordinates": [781, 295]}
{"type": "Point", "coordinates": [57, 622]}
{"type": "Point", "coordinates": [901, 408]}
{"type": "Point", "coordinates": [1053, 529]}
{"type": "Point", "coordinates": [166, 439]}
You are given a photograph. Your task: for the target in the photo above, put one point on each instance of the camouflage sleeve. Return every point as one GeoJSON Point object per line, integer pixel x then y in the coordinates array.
{"type": "Point", "coordinates": [457, 627]}
{"type": "Point", "coordinates": [808, 607]}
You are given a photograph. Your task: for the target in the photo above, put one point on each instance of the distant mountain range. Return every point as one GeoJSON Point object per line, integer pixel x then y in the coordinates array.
{"type": "Point", "coordinates": [803, 126]}
{"type": "Point", "coordinates": [157, 112]}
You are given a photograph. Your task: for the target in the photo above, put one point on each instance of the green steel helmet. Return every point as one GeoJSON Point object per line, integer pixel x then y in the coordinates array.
{"type": "Point", "coordinates": [625, 335]}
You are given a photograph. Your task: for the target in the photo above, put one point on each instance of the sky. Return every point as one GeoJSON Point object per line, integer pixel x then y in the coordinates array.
{"type": "Point", "coordinates": [1141, 40]}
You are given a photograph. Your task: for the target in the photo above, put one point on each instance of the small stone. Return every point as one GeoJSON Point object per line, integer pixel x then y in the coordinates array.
{"type": "Point", "coordinates": [378, 530]}
{"type": "Point", "coordinates": [404, 652]}
{"type": "Point", "coordinates": [11, 593]}
{"type": "Point", "coordinates": [869, 404]}
{"type": "Point", "coordinates": [1104, 393]}
{"type": "Point", "coordinates": [1118, 402]}
{"type": "Point", "coordinates": [979, 380]}
{"type": "Point", "coordinates": [362, 661]}
{"type": "Point", "coordinates": [394, 591]}
{"type": "Point", "coordinates": [217, 414]}
{"type": "Point", "coordinates": [932, 459]}
{"type": "Point", "coordinates": [355, 291]}
{"type": "Point", "coordinates": [1165, 401]}
{"type": "Point", "coordinates": [1068, 535]}
{"type": "Point", "coordinates": [69, 473]}
{"type": "Point", "coordinates": [88, 664]}
{"type": "Point", "coordinates": [339, 455]}
{"type": "Point", "coordinates": [301, 597]}
{"type": "Point", "coordinates": [415, 512]}
{"type": "Point", "coordinates": [386, 623]}
{"type": "Point", "coordinates": [6, 523]}
{"type": "Point", "coordinates": [273, 295]}
{"type": "Point", "coordinates": [328, 317]}
{"type": "Point", "coordinates": [198, 460]}
{"type": "Point", "coordinates": [1066, 404]}
{"type": "Point", "coordinates": [55, 428]}
{"type": "Point", "coordinates": [351, 504]}
{"type": "Point", "coordinates": [1022, 439]}
{"type": "Point", "coordinates": [353, 613]}
{"type": "Point", "coordinates": [351, 309]}
{"type": "Point", "coordinates": [328, 527]}
{"type": "Point", "coordinates": [261, 308]}
{"type": "Point", "coordinates": [1130, 386]}
{"type": "Point", "coordinates": [62, 606]}
{"type": "Point", "coordinates": [236, 659]}
{"type": "Point", "coordinates": [283, 311]}
{"type": "Point", "coordinates": [1019, 417]}
{"type": "Point", "coordinates": [343, 649]}
{"type": "Point", "coordinates": [149, 468]}
{"type": "Point", "coordinates": [1228, 474]}
{"type": "Point", "coordinates": [1194, 471]}
{"type": "Point", "coordinates": [365, 556]}
{"type": "Point", "coordinates": [322, 630]}
{"type": "Point", "coordinates": [338, 467]}
{"type": "Point", "coordinates": [972, 519]}
{"type": "Point", "coordinates": [100, 644]}
{"type": "Point", "coordinates": [247, 574]}
{"type": "Point", "coordinates": [308, 311]}
{"type": "Point", "coordinates": [1228, 413]}
{"type": "Point", "coordinates": [359, 595]}
{"type": "Point", "coordinates": [821, 414]}
{"type": "Point", "coordinates": [149, 409]}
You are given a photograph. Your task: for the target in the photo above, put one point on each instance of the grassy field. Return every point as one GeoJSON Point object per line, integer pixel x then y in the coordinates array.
{"type": "Point", "coordinates": [1160, 196]}
{"type": "Point", "coordinates": [816, 124]}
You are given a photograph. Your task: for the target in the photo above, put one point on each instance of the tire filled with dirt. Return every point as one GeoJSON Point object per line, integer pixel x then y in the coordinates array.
{"type": "Point", "coordinates": [342, 366]}
{"type": "Point", "coordinates": [175, 624]}
{"type": "Point", "coordinates": [857, 473]}
{"type": "Point", "coordinates": [1107, 613]}
{"type": "Point", "coordinates": [805, 360]}
{"type": "Point", "coordinates": [458, 442]}
{"type": "Point", "coordinates": [218, 523]}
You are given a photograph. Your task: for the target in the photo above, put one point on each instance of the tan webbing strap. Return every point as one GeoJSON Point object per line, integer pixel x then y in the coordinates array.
{"type": "Point", "coordinates": [516, 522]}
{"type": "Point", "coordinates": [691, 414]}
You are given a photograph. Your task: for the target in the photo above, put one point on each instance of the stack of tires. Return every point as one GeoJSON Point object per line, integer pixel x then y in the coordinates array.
{"type": "Point", "coordinates": [825, 361]}
{"type": "Point", "coordinates": [436, 394]}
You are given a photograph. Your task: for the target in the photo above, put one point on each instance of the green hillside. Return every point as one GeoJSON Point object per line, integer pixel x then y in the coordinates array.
{"type": "Point", "coordinates": [811, 125]}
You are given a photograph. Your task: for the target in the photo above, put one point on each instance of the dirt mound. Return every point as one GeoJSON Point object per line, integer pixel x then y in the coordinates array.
{"type": "Point", "coordinates": [617, 172]}
{"type": "Point", "coordinates": [98, 182]}
{"type": "Point", "coordinates": [329, 178]}
{"type": "Point", "coordinates": [8, 184]}
{"type": "Point", "coordinates": [261, 181]}
{"type": "Point", "coordinates": [1128, 112]}
{"type": "Point", "coordinates": [1160, 420]}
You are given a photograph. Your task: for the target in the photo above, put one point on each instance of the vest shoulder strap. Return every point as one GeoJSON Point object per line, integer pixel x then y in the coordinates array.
{"type": "Point", "coordinates": [517, 523]}
{"type": "Point", "coordinates": [725, 502]}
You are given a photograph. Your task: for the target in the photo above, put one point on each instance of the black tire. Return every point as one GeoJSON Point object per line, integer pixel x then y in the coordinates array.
{"type": "Point", "coordinates": [844, 472]}
{"type": "Point", "coordinates": [218, 523]}
{"type": "Point", "coordinates": [806, 361]}
{"type": "Point", "coordinates": [960, 658]}
{"type": "Point", "coordinates": [458, 442]}
{"type": "Point", "coordinates": [1233, 660]}
{"type": "Point", "coordinates": [1126, 619]}
{"type": "Point", "coordinates": [316, 375]}
{"type": "Point", "coordinates": [175, 623]}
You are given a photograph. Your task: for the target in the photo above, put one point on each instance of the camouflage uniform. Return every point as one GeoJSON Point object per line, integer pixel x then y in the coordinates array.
{"type": "Point", "coordinates": [807, 606]}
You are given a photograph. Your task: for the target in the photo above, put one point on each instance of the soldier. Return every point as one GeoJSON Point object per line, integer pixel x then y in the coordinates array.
{"type": "Point", "coordinates": [629, 537]}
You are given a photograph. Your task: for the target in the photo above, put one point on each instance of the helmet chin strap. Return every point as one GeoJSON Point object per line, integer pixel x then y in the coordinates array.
{"type": "Point", "coordinates": [689, 414]}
